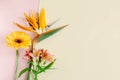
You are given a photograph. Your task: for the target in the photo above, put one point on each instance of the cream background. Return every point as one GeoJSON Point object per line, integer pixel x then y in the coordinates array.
{"type": "Point", "coordinates": [89, 49]}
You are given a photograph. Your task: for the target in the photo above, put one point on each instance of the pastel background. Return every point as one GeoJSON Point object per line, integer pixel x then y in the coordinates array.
{"type": "Point", "coordinates": [89, 49]}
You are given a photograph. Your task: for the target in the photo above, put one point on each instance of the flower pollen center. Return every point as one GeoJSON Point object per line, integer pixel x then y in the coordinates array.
{"type": "Point", "coordinates": [18, 40]}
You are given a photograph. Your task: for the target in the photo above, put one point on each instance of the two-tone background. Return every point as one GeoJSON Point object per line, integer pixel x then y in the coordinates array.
{"type": "Point", "coordinates": [89, 49]}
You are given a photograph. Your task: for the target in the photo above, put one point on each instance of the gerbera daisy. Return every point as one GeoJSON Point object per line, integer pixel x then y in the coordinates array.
{"type": "Point", "coordinates": [18, 40]}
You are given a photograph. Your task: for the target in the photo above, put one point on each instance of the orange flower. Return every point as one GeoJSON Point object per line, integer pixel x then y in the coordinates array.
{"type": "Point", "coordinates": [39, 54]}
{"type": "Point", "coordinates": [37, 22]}
{"type": "Point", "coordinates": [45, 55]}
{"type": "Point", "coordinates": [28, 55]}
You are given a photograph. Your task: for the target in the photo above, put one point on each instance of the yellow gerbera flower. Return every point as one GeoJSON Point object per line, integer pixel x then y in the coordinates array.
{"type": "Point", "coordinates": [18, 40]}
{"type": "Point", "coordinates": [37, 22]}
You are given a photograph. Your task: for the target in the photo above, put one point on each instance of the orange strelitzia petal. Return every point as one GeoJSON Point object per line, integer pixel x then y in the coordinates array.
{"type": "Point", "coordinates": [42, 20]}
{"type": "Point", "coordinates": [24, 27]}
{"type": "Point", "coordinates": [34, 20]}
{"type": "Point", "coordinates": [31, 19]}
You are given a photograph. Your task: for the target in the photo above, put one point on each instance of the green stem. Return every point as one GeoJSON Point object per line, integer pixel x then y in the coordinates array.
{"type": "Point", "coordinates": [28, 77]}
{"type": "Point", "coordinates": [36, 77]}
{"type": "Point", "coordinates": [17, 55]}
{"type": "Point", "coordinates": [30, 65]}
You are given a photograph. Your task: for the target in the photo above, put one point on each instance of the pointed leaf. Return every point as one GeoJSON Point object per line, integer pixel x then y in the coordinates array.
{"type": "Point", "coordinates": [49, 25]}
{"type": "Point", "coordinates": [48, 66]}
{"type": "Point", "coordinates": [40, 68]}
{"type": "Point", "coordinates": [23, 71]}
{"type": "Point", "coordinates": [35, 74]}
{"type": "Point", "coordinates": [49, 33]}
{"type": "Point", "coordinates": [44, 63]}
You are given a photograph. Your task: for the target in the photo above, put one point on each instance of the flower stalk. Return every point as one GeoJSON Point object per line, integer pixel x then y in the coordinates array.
{"type": "Point", "coordinates": [16, 71]}
{"type": "Point", "coordinates": [29, 71]}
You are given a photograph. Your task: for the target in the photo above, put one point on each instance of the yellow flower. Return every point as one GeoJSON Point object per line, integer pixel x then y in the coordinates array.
{"type": "Point", "coordinates": [36, 22]}
{"type": "Point", "coordinates": [18, 40]}
{"type": "Point", "coordinates": [42, 20]}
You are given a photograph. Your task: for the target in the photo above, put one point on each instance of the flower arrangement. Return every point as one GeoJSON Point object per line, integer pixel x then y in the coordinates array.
{"type": "Point", "coordinates": [39, 60]}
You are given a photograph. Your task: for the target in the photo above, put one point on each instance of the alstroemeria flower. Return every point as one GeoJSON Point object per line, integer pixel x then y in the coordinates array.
{"type": "Point", "coordinates": [28, 55]}
{"type": "Point", "coordinates": [45, 55]}
{"type": "Point", "coordinates": [36, 22]}
{"type": "Point", "coordinates": [39, 54]}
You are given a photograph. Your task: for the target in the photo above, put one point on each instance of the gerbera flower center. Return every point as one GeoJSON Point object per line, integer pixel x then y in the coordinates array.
{"type": "Point", "coordinates": [18, 40]}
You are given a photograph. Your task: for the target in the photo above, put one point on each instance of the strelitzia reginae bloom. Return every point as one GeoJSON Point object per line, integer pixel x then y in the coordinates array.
{"type": "Point", "coordinates": [36, 22]}
{"type": "Point", "coordinates": [18, 40]}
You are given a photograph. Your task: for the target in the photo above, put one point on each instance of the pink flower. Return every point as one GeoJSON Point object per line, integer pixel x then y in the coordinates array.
{"type": "Point", "coordinates": [45, 55]}
{"type": "Point", "coordinates": [39, 54]}
{"type": "Point", "coordinates": [28, 55]}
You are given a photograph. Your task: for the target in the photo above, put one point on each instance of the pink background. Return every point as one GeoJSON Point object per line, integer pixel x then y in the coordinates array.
{"type": "Point", "coordinates": [10, 11]}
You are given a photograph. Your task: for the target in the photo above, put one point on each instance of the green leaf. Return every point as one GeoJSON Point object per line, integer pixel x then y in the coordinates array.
{"type": "Point", "coordinates": [49, 33]}
{"type": "Point", "coordinates": [40, 68]}
{"type": "Point", "coordinates": [35, 74]}
{"type": "Point", "coordinates": [52, 68]}
{"type": "Point", "coordinates": [23, 71]}
{"type": "Point", "coordinates": [49, 25]}
{"type": "Point", "coordinates": [30, 62]}
{"type": "Point", "coordinates": [48, 66]}
{"type": "Point", "coordinates": [44, 63]}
